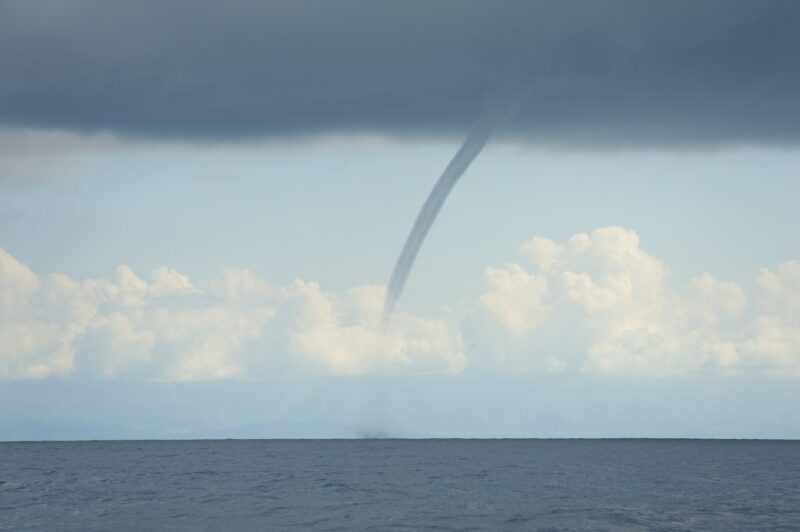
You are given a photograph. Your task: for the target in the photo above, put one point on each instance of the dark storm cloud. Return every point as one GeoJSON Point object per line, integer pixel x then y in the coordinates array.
{"type": "Point", "coordinates": [599, 72]}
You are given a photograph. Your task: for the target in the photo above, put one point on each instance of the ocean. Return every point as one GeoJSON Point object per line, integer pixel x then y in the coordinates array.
{"type": "Point", "coordinates": [386, 484]}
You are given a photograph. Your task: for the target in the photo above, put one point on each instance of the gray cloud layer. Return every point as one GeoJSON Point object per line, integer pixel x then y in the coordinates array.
{"type": "Point", "coordinates": [612, 72]}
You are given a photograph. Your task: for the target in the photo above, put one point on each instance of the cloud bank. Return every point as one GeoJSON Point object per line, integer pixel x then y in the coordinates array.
{"type": "Point", "coordinates": [600, 303]}
{"type": "Point", "coordinates": [597, 304]}
{"type": "Point", "coordinates": [238, 326]}
{"type": "Point", "coordinates": [616, 72]}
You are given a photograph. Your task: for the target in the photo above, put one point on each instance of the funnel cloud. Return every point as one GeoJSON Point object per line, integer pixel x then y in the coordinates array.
{"type": "Point", "coordinates": [497, 109]}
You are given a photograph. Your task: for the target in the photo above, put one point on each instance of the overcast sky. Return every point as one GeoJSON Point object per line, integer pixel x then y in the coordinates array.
{"type": "Point", "coordinates": [201, 201]}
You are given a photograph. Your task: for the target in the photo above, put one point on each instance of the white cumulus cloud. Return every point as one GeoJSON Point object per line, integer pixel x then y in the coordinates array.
{"type": "Point", "coordinates": [612, 307]}
{"type": "Point", "coordinates": [343, 334]}
{"type": "Point", "coordinates": [596, 303]}
{"type": "Point", "coordinates": [238, 326]}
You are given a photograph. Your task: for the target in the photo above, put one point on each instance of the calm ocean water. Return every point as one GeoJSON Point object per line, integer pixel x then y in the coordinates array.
{"type": "Point", "coordinates": [401, 485]}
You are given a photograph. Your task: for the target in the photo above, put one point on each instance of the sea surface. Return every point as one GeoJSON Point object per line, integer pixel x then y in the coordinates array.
{"type": "Point", "coordinates": [386, 484]}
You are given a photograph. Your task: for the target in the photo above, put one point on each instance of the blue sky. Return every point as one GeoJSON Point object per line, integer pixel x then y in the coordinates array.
{"type": "Point", "coordinates": [195, 241]}
{"type": "Point", "coordinates": [334, 211]}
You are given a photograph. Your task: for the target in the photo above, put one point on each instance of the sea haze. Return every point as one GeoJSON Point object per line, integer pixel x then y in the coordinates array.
{"type": "Point", "coordinates": [401, 484]}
